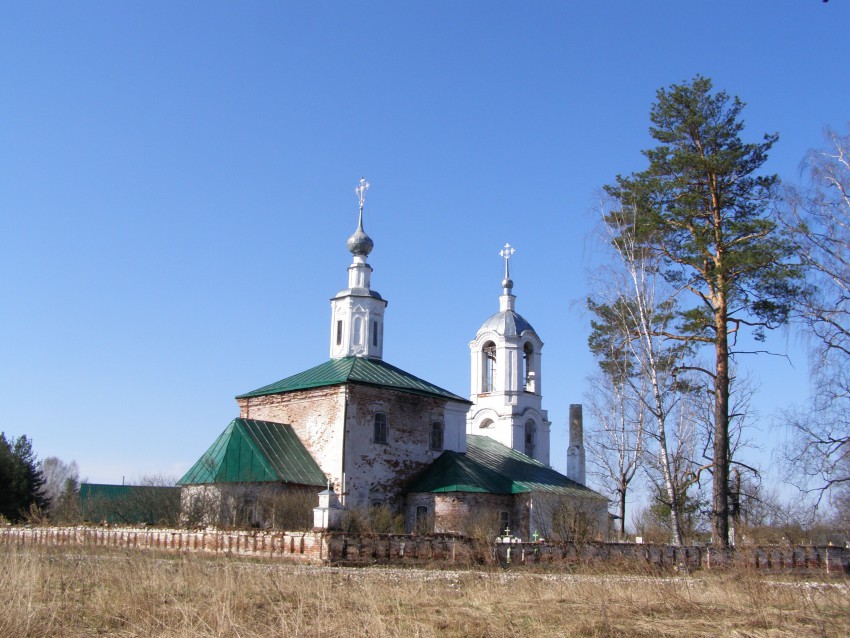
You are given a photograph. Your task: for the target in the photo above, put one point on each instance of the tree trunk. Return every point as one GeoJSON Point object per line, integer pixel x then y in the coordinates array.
{"type": "Point", "coordinates": [623, 511]}
{"type": "Point", "coordinates": [720, 463]}
{"type": "Point", "coordinates": [669, 484]}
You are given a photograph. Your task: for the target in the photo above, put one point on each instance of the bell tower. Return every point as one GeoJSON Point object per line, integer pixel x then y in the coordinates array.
{"type": "Point", "coordinates": [357, 312]}
{"type": "Point", "coordinates": [506, 380]}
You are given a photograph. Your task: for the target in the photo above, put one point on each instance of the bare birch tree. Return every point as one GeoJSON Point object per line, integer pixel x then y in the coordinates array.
{"type": "Point", "coordinates": [56, 475]}
{"type": "Point", "coordinates": [632, 313]}
{"type": "Point", "coordinates": [615, 443]}
{"type": "Point", "coordinates": [818, 218]}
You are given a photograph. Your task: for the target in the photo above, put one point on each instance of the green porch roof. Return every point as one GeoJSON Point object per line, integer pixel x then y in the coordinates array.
{"type": "Point", "coordinates": [250, 451]}
{"type": "Point", "coordinates": [492, 468]}
{"type": "Point", "coordinates": [355, 370]}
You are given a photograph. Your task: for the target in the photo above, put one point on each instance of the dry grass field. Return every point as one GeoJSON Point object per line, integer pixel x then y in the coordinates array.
{"type": "Point", "coordinates": [74, 592]}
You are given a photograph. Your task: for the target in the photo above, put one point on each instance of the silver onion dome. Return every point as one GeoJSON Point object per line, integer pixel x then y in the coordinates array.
{"type": "Point", "coordinates": [360, 243]}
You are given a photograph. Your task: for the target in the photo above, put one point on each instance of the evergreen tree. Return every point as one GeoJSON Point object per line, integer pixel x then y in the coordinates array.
{"type": "Point", "coordinates": [21, 481]}
{"type": "Point", "coordinates": [702, 211]}
{"type": "Point", "coordinates": [8, 500]}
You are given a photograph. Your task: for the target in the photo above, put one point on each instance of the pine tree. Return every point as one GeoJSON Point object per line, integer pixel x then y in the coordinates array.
{"type": "Point", "coordinates": [21, 481]}
{"type": "Point", "coordinates": [702, 211]}
{"type": "Point", "coordinates": [8, 498]}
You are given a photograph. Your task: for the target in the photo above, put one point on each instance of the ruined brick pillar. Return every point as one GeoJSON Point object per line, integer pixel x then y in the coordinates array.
{"type": "Point", "coordinates": [575, 452]}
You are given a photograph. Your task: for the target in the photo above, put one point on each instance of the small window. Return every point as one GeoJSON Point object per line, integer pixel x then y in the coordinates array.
{"type": "Point", "coordinates": [530, 437]}
{"type": "Point", "coordinates": [436, 435]}
{"type": "Point", "coordinates": [488, 380]}
{"type": "Point", "coordinates": [374, 333]}
{"type": "Point", "coordinates": [486, 423]}
{"type": "Point", "coordinates": [379, 434]}
{"type": "Point", "coordinates": [377, 503]}
{"type": "Point", "coordinates": [339, 332]}
{"type": "Point", "coordinates": [422, 522]}
{"type": "Point", "coordinates": [504, 522]}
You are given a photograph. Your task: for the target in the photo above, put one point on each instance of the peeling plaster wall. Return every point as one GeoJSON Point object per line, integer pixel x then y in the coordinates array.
{"type": "Point", "coordinates": [316, 415]}
{"type": "Point", "coordinates": [465, 512]}
{"type": "Point", "coordinates": [379, 471]}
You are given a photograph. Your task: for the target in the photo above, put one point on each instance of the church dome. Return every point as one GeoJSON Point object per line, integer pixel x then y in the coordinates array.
{"type": "Point", "coordinates": [360, 243]}
{"type": "Point", "coordinates": [508, 323]}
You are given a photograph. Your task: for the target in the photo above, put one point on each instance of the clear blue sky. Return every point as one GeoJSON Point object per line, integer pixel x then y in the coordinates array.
{"type": "Point", "coordinates": [177, 185]}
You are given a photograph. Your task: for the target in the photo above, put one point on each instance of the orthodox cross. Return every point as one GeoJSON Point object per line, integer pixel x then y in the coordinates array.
{"type": "Point", "coordinates": [506, 253]}
{"type": "Point", "coordinates": [361, 189]}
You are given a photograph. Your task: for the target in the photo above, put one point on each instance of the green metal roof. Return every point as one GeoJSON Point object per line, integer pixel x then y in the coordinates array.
{"type": "Point", "coordinates": [492, 468]}
{"type": "Point", "coordinates": [250, 451]}
{"type": "Point", "coordinates": [357, 370]}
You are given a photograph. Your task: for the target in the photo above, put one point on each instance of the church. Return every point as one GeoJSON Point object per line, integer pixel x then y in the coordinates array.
{"type": "Point", "coordinates": [362, 433]}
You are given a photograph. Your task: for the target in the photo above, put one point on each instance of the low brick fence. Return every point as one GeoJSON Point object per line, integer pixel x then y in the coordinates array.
{"type": "Point", "coordinates": [338, 548]}
{"type": "Point", "coordinates": [831, 560]}
{"type": "Point", "coordinates": [297, 546]}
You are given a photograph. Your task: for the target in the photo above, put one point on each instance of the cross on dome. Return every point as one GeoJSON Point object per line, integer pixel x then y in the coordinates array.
{"type": "Point", "coordinates": [506, 253]}
{"type": "Point", "coordinates": [360, 243]}
{"type": "Point", "coordinates": [361, 189]}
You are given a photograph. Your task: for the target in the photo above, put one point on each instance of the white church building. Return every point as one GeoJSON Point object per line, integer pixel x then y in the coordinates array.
{"type": "Point", "coordinates": [367, 433]}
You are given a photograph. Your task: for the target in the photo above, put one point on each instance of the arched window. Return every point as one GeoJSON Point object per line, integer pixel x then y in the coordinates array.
{"type": "Point", "coordinates": [339, 332]}
{"type": "Point", "coordinates": [379, 431]}
{"type": "Point", "coordinates": [423, 523]}
{"type": "Point", "coordinates": [486, 423]}
{"type": "Point", "coordinates": [358, 331]}
{"type": "Point", "coordinates": [374, 332]}
{"type": "Point", "coordinates": [528, 367]}
{"type": "Point", "coordinates": [436, 435]}
{"type": "Point", "coordinates": [504, 522]}
{"type": "Point", "coordinates": [530, 437]}
{"type": "Point", "coordinates": [489, 365]}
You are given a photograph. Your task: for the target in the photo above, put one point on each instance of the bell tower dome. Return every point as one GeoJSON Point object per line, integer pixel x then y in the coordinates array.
{"type": "Point", "coordinates": [505, 378]}
{"type": "Point", "coordinates": [357, 312]}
